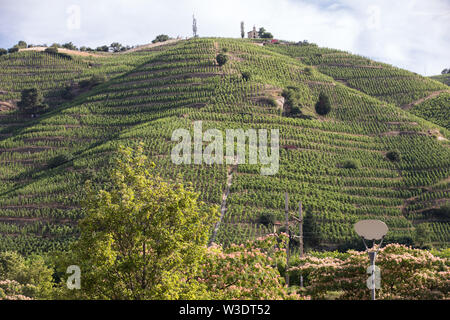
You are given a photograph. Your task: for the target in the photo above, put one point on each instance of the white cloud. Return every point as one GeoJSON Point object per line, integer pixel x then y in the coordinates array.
{"type": "Point", "coordinates": [409, 34]}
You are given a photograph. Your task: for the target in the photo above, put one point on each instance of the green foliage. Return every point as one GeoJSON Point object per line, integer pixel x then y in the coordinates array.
{"type": "Point", "coordinates": [221, 59]}
{"type": "Point", "coordinates": [323, 106]}
{"type": "Point", "coordinates": [93, 81]}
{"type": "Point", "coordinates": [3, 51]}
{"type": "Point", "coordinates": [31, 101]}
{"type": "Point", "coordinates": [143, 238]}
{"type": "Point", "coordinates": [22, 278]}
{"type": "Point", "coordinates": [393, 155]}
{"type": "Point", "coordinates": [267, 218]}
{"type": "Point", "coordinates": [13, 49]}
{"type": "Point", "coordinates": [161, 38]}
{"type": "Point", "coordinates": [435, 110]}
{"type": "Point", "coordinates": [246, 75]}
{"type": "Point", "coordinates": [350, 164]}
{"type": "Point", "coordinates": [104, 48]}
{"type": "Point", "coordinates": [53, 50]}
{"type": "Point", "coordinates": [21, 44]}
{"type": "Point", "coordinates": [422, 235]}
{"type": "Point", "coordinates": [117, 47]}
{"type": "Point", "coordinates": [292, 98]}
{"type": "Point", "coordinates": [69, 45]}
{"type": "Point", "coordinates": [59, 160]}
{"type": "Point", "coordinates": [406, 273]}
{"type": "Point", "coordinates": [262, 33]}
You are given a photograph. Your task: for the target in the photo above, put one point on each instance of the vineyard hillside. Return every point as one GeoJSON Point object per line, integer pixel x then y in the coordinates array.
{"type": "Point", "coordinates": [150, 92]}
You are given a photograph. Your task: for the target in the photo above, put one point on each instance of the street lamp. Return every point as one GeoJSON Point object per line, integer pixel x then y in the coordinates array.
{"type": "Point", "coordinates": [371, 230]}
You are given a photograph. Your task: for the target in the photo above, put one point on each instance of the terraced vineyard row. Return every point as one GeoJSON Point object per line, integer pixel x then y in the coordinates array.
{"type": "Point", "coordinates": [151, 93]}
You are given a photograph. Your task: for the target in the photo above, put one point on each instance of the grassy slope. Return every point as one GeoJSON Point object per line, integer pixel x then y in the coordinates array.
{"type": "Point", "coordinates": [153, 92]}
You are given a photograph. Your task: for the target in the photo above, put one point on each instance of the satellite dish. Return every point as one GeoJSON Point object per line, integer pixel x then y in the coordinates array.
{"type": "Point", "coordinates": [371, 229]}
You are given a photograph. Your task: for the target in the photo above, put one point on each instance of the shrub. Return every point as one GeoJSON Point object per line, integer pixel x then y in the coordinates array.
{"type": "Point", "coordinates": [58, 160]}
{"type": "Point", "coordinates": [246, 75]}
{"type": "Point", "coordinates": [393, 155]}
{"type": "Point", "coordinates": [266, 218]}
{"type": "Point", "coordinates": [323, 106]}
{"type": "Point", "coordinates": [69, 45]}
{"type": "Point", "coordinates": [221, 59]}
{"type": "Point", "coordinates": [350, 164]}
{"type": "Point", "coordinates": [161, 38]}
{"type": "Point", "coordinates": [13, 49]}
{"type": "Point", "coordinates": [3, 51]}
{"type": "Point", "coordinates": [103, 48]}
{"type": "Point", "coordinates": [93, 81]}
{"type": "Point", "coordinates": [31, 100]}
{"type": "Point", "coordinates": [52, 50]}
{"type": "Point", "coordinates": [21, 44]}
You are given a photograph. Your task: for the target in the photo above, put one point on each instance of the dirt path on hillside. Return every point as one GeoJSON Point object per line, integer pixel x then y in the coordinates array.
{"type": "Point", "coordinates": [432, 95]}
{"type": "Point", "coordinates": [62, 50]}
{"type": "Point", "coordinates": [152, 45]}
{"type": "Point", "coordinates": [223, 206]}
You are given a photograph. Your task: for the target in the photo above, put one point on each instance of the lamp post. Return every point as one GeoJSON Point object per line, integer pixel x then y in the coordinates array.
{"type": "Point", "coordinates": [372, 230]}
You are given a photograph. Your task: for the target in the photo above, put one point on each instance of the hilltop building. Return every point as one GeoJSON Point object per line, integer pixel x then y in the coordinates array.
{"type": "Point", "coordinates": [253, 34]}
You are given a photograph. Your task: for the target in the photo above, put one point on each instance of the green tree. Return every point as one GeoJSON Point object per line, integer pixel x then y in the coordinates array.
{"type": "Point", "coordinates": [221, 59]}
{"type": "Point", "coordinates": [161, 38]}
{"type": "Point", "coordinates": [323, 106]}
{"type": "Point", "coordinates": [406, 273]}
{"type": "Point", "coordinates": [103, 48]}
{"type": "Point", "coordinates": [24, 278]}
{"type": "Point", "coordinates": [13, 49]}
{"type": "Point", "coordinates": [3, 51]}
{"type": "Point", "coordinates": [116, 46]}
{"type": "Point", "coordinates": [21, 44]}
{"type": "Point", "coordinates": [69, 45]}
{"type": "Point", "coordinates": [422, 235]}
{"type": "Point", "coordinates": [242, 30]}
{"type": "Point", "coordinates": [31, 101]}
{"type": "Point", "coordinates": [52, 50]}
{"type": "Point", "coordinates": [144, 238]}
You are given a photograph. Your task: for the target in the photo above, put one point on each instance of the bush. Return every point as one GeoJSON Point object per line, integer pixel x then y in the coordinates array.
{"type": "Point", "coordinates": [52, 50]}
{"type": "Point", "coordinates": [3, 51]}
{"type": "Point", "coordinates": [161, 38]}
{"type": "Point", "coordinates": [103, 48]}
{"type": "Point", "coordinates": [246, 75]}
{"type": "Point", "coordinates": [69, 45]}
{"type": "Point", "coordinates": [21, 44]}
{"type": "Point", "coordinates": [221, 59]}
{"type": "Point", "coordinates": [292, 99]}
{"type": "Point", "coordinates": [393, 155]}
{"type": "Point", "coordinates": [323, 106]}
{"type": "Point", "coordinates": [13, 49]}
{"type": "Point", "coordinates": [93, 81]}
{"type": "Point", "coordinates": [266, 218]}
{"type": "Point", "coordinates": [58, 160]}
{"type": "Point", "coordinates": [31, 101]}
{"type": "Point", "coordinates": [350, 164]}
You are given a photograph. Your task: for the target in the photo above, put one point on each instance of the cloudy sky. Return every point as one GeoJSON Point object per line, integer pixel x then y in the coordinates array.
{"type": "Point", "coordinates": [412, 34]}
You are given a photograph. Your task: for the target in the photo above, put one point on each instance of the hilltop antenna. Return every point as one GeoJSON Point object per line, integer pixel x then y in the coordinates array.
{"type": "Point", "coordinates": [194, 26]}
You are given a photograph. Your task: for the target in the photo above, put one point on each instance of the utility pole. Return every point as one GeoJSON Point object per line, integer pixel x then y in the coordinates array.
{"type": "Point", "coordinates": [286, 208]}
